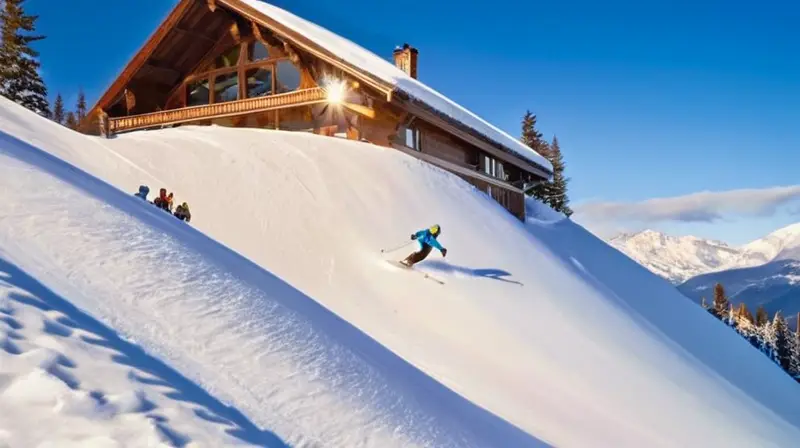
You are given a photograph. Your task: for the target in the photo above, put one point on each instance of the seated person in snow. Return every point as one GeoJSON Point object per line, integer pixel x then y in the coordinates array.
{"type": "Point", "coordinates": [169, 202]}
{"type": "Point", "coordinates": [427, 241]}
{"type": "Point", "coordinates": [183, 213]}
{"type": "Point", "coordinates": [161, 200]}
{"type": "Point", "coordinates": [144, 190]}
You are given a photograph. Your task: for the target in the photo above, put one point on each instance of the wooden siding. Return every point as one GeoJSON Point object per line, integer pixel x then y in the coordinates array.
{"type": "Point", "coordinates": [232, 108]}
{"type": "Point", "coordinates": [440, 144]}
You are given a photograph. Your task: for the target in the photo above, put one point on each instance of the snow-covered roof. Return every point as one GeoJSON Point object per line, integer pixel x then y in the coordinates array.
{"type": "Point", "coordinates": [386, 71]}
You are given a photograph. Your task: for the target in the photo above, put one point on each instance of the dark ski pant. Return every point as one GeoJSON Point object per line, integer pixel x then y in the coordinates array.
{"type": "Point", "coordinates": [418, 256]}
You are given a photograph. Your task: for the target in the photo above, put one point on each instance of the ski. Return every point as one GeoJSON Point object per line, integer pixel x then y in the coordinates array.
{"type": "Point", "coordinates": [411, 268]}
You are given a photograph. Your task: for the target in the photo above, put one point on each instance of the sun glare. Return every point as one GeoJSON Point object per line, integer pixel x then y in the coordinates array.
{"type": "Point", "coordinates": [335, 89]}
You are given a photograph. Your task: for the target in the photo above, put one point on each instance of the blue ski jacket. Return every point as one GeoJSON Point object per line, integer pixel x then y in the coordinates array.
{"type": "Point", "coordinates": [426, 238]}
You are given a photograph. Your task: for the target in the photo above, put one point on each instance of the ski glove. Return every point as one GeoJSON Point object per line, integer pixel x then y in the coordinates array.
{"type": "Point", "coordinates": [444, 252]}
{"type": "Point", "coordinates": [413, 236]}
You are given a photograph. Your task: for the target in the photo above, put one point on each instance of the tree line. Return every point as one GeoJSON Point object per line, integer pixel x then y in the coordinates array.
{"type": "Point", "coordinates": [20, 80]}
{"type": "Point", "coordinates": [772, 337]}
{"type": "Point", "coordinates": [554, 191]}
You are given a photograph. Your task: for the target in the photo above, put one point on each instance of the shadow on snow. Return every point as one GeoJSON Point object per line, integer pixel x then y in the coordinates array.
{"type": "Point", "coordinates": [488, 273]}
{"type": "Point", "coordinates": [131, 355]}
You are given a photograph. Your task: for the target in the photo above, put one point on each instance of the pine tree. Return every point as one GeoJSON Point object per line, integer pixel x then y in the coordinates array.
{"type": "Point", "coordinates": [58, 110]}
{"type": "Point", "coordinates": [71, 121]}
{"type": "Point", "coordinates": [531, 136]}
{"type": "Point", "coordinates": [721, 303]}
{"type": "Point", "coordinates": [783, 342]}
{"type": "Point", "coordinates": [534, 140]}
{"type": "Point", "coordinates": [761, 316]}
{"type": "Point", "coordinates": [558, 198]}
{"type": "Point", "coordinates": [20, 80]}
{"type": "Point", "coordinates": [80, 108]}
{"type": "Point", "coordinates": [794, 353]}
{"type": "Point", "coordinates": [745, 314]}
{"type": "Point", "coordinates": [745, 326]}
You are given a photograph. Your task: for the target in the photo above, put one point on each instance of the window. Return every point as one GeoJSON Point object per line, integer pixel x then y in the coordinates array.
{"type": "Point", "coordinates": [226, 87]}
{"type": "Point", "coordinates": [229, 58]}
{"type": "Point", "coordinates": [493, 168]}
{"type": "Point", "coordinates": [236, 77]}
{"type": "Point", "coordinates": [258, 51]}
{"type": "Point", "coordinates": [198, 93]}
{"type": "Point", "coordinates": [259, 82]}
{"type": "Point", "coordinates": [410, 137]}
{"type": "Point", "coordinates": [288, 77]}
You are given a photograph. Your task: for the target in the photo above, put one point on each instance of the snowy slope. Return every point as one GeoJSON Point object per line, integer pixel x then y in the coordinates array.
{"type": "Point", "coordinates": [541, 324]}
{"type": "Point", "coordinates": [381, 68]}
{"type": "Point", "coordinates": [68, 381]}
{"type": "Point", "coordinates": [676, 258]}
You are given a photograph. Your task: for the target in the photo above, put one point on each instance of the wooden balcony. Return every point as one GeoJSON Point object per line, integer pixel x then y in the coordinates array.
{"type": "Point", "coordinates": [296, 98]}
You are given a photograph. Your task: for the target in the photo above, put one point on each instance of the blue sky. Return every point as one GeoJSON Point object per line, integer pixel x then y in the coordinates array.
{"type": "Point", "coordinates": [648, 99]}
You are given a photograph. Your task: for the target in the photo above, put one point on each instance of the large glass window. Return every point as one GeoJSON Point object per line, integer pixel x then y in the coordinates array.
{"type": "Point", "coordinates": [258, 51]}
{"type": "Point", "coordinates": [263, 74]}
{"type": "Point", "coordinates": [288, 77]}
{"type": "Point", "coordinates": [259, 82]}
{"type": "Point", "coordinates": [228, 59]}
{"type": "Point", "coordinates": [226, 87]}
{"type": "Point", "coordinates": [197, 93]}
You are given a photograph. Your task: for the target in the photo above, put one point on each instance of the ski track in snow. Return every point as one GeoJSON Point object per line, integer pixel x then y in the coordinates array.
{"type": "Point", "coordinates": [244, 344]}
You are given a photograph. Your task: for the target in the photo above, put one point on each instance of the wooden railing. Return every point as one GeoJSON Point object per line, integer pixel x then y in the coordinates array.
{"type": "Point", "coordinates": [296, 98]}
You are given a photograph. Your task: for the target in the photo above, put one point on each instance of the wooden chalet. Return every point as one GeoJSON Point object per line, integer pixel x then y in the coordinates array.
{"type": "Point", "coordinates": [247, 63]}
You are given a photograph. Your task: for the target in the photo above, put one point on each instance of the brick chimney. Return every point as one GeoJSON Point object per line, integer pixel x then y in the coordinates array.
{"type": "Point", "coordinates": [405, 58]}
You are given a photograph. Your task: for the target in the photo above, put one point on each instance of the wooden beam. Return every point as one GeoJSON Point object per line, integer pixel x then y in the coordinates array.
{"type": "Point", "coordinates": [144, 53]}
{"type": "Point", "coordinates": [306, 44]}
{"type": "Point", "coordinates": [193, 34]}
{"type": "Point", "coordinates": [212, 5]}
{"type": "Point", "coordinates": [171, 74]}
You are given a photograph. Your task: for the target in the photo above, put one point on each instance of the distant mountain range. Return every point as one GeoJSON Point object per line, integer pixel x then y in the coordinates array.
{"type": "Point", "coordinates": [763, 272]}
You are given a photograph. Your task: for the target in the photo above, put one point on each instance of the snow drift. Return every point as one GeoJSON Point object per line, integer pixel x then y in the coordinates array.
{"type": "Point", "coordinates": [541, 324]}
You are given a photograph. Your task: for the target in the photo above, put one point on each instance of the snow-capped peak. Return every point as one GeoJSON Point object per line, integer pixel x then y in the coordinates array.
{"type": "Point", "coordinates": [675, 258]}
{"type": "Point", "coordinates": [782, 244]}
{"type": "Point", "coordinates": [678, 258]}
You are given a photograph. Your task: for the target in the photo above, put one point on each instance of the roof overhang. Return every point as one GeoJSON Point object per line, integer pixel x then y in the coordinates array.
{"type": "Point", "coordinates": [389, 90]}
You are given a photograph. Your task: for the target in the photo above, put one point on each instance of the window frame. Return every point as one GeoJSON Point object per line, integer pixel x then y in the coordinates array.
{"type": "Point", "coordinates": [242, 66]}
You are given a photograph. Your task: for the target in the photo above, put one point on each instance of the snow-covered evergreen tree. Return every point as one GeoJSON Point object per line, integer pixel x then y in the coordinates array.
{"type": "Point", "coordinates": [761, 316]}
{"type": "Point", "coordinates": [534, 140]}
{"type": "Point", "coordinates": [783, 342]}
{"type": "Point", "coordinates": [58, 110]}
{"type": "Point", "coordinates": [721, 304]}
{"type": "Point", "coordinates": [794, 354]}
{"type": "Point", "coordinates": [20, 80]}
{"type": "Point", "coordinates": [558, 198]}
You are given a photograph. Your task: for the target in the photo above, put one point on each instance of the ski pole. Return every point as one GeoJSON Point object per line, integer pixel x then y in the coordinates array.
{"type": "Point", "coordinates": [386, 251]}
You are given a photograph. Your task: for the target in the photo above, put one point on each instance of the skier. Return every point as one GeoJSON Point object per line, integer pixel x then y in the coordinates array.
{"type": "Point", "coordinates": [183, 213]}
{"type": "Point", "coordinates": [427, 241]}
{"type": "Point", "coordinates": [144, 190]}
